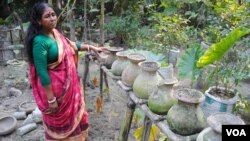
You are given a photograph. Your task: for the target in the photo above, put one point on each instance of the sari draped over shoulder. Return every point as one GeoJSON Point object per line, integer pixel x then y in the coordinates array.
{"type": "Point", "coordinates": [70, 121]}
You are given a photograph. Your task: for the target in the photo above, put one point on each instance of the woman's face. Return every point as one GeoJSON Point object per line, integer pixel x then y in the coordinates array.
{"type": "Point", "coordinates": [49, 19]}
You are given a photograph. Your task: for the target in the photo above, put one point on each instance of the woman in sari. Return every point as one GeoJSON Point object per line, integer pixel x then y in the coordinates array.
{"type": "Point", "coordinates": [54, 79]}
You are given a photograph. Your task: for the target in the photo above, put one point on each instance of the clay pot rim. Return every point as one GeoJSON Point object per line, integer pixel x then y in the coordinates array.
{"type": "Point", "coordinates": [193, 100]}
{"type": "Point", "coordinates": [169, 81]}
{"type": "Point", "coordinates": [216, 120]}
{"type": "Point", "coordinates": [122, 54]}
{"type": "Point", "coordinates": [114, 49]}
{"type": "Point", "coordinates": [202, 133]}
{"type": "Point", "coordinates": [139, 57]}
{"type": "Point", "coordinates": [11, 127]}
{"type": "Point", "coordinates": [150, 69]}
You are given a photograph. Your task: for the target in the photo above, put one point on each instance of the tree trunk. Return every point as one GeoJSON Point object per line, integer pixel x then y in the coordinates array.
{"type": "Point", "coordinates": [85, 30]}
{"type": "Point", "coordinates": [72, 26]}
{"type": "Point", "coordinates": [102, 23]}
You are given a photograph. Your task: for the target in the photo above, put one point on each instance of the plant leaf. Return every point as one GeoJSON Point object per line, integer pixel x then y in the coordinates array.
{"type": "Point", "coordinates": [217, 50]}
{"type": "Point", "coordinates": [95, 81]}
{"type": "Point", "coordinates": [187, 62]}
{"type": "Point", "coordinates": [138, 116]}
{"type": "Point", "coordinates": [106, 90]}
{"type": "Point", "coordinates": [99, 103]}
{"type": "Point", "coordinates": [154, 132]}
{"type": "Point", "coordinates": [138, 133]}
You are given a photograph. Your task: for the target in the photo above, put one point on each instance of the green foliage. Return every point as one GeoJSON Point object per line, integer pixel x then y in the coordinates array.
{"type": "Point", "coordinates": [142, 39]}
{"type": "Point", "coordinates": [7, 20]}
{"type": "Point", "coordinates": [187, 62]}
{"type": "Point", "coordinates": [163, 137]}
{"type": "Point", "coordinates": [230, 11]}
{"type": "Point", "coordinates": [123, 27]}
{"type": "Point", "coordinates": [153, 134]}
{"type": "Point", "coordinates": [138, 117]}
{"type": "Point", "coordinates": [150, 56]}
{"type": "Point", "coordinates": [66, 25]}
{"type": "Point", "coordinates": [170, 30]}
{"type": "Point", "coordinates": [217, 50]}
{"type": "Point", "coordinates": [231, 61]}
{"type": "Point", "coordinates": [243, 106]}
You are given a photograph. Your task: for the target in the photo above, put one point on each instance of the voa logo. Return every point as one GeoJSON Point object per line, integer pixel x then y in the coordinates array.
{"type": "Point", "coordinates": [236, 132]}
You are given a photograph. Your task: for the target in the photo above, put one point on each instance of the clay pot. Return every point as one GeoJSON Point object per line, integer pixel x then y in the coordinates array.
{"type": "Point", "coordinates": [162, 99]}
{"type": "Point", "coordinates": [147, 80]}
{"type": "Point", "coordinates": [120, 64]}
{"type": "Point", "coordinates": [7, 125]}
{"type": "Point", "coordinates": [132, 70]}
{"type": "Point", "coordinates": [215, 122]}
{"type": "Point", "coordinates": [172, 55]}
{"type": "Point", "coordinates": [186, 116]}
{"type": "Point", "coordinates": [18, 69]}
{"type": "Point", "coordinates": [111, 56]}
{"type": "Point", "coordinates": [27, 106]}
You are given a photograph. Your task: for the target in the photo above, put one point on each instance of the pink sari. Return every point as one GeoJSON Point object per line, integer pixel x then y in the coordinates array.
{"type": "Point", "coordinates": [70, 122]}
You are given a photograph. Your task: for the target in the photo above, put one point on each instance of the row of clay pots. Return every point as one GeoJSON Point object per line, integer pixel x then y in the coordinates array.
{"type": "Point", "coordinates": [142, 76]}
{"type": "Point", "coordinates": [184, 114]}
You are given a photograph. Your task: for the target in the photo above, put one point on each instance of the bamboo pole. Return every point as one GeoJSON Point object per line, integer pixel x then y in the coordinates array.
{"type": "Point", "coordinates": [126, 124]}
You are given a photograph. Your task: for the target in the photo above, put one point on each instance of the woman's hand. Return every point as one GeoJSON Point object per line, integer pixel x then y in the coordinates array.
{"type": "Point", "coordinates": [53, 106]}
{"type": "Point", "coordinates": [98, 49]}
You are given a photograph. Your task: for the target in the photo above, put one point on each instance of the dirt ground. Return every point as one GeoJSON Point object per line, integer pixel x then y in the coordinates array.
{"type": "Point", "coordinates": [104, 126]}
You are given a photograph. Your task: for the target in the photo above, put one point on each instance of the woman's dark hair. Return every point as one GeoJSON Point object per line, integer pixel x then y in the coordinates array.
{"type": "Point", "coordinates": [34, 27]}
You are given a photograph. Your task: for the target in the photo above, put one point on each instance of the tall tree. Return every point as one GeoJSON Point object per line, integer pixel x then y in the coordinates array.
{"type": "Point", "coordinates": [85, 21]}
{"type": "Point", "coordinates": [102, 23]}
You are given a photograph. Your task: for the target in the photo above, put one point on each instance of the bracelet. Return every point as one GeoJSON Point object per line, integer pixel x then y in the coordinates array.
{"type": "Point", "coordinates": [52, 101]}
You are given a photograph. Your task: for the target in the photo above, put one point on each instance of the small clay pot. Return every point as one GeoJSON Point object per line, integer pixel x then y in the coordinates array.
{"type": "Point", "coordinates": [132, 70]}
{"type": "Point", "coordinates": [120, 64]}
{"type": "Point", "coordinates": [186, 116]}
{"type": "Point", "coordinates": [7, 125]}
{"type": "Point", "coordinates": [112, 56]}
{"type": "Point", "coordinates": [28, 106]}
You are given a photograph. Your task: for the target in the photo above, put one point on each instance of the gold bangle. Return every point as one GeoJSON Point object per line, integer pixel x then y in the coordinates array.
{"type": "Point", "coordinates": [52, 101]}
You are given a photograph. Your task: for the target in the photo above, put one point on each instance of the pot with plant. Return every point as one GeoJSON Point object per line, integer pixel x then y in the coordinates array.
{"type": "Point", "coordinates": [229, 70]}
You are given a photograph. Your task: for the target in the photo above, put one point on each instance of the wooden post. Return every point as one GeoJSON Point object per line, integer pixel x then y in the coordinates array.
{"type": "Point", "coordinates": [86, 71]}
{"type": "Point", "coordinates": [126, 124]}
{"type": "Point", "coordinates": [106, 84]}
{"type": "Point", "coordinates": [146, 131]}
{"type": "Point", "coordinates": [101, 81]}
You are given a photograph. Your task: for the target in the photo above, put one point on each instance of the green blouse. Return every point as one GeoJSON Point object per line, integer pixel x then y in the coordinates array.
{"type": "Point", "coordinates": [45, 51]}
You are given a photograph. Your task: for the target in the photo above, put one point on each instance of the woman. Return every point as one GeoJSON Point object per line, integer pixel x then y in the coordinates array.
{"type": "Point", "coordinates": [54, 80]}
